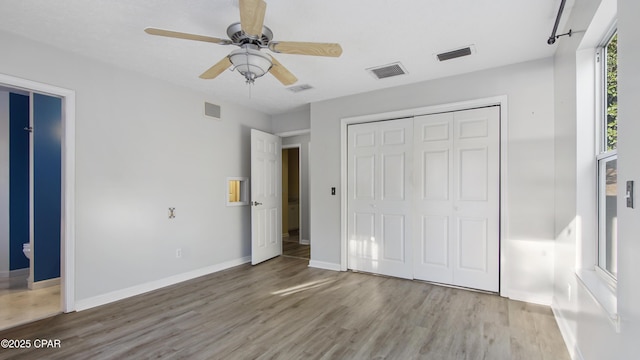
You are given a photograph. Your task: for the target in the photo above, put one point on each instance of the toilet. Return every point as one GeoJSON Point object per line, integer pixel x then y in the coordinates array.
{"type": "Point", "coordinates": [26, 249]}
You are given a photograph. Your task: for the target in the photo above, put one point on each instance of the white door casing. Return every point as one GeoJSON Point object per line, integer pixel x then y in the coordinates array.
{"type": "Point", "coordinates": [457, 172]}
{"type": "Point", "coordinates": [379, 197]}
{"type": "Point", "coordinates": [266, 200]}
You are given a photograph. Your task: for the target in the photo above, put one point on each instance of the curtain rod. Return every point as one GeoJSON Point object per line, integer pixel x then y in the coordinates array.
{"type": "Point", "coordinates": [553, 37]}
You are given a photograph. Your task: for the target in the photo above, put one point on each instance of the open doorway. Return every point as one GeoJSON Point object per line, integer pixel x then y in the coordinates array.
{"type": "Point", "coordinates": [39, 179]}
{"type": "Point", "coordinates": [31, 181]}
{"type": "Point", "coordinates": [294, 243]}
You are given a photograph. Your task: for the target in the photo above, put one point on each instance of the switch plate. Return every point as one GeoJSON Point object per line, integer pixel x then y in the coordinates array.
{"type": "Point", "coordinates": [629, 194]}
{"type": "Point", "coordinates": [333, 191]}
{"type": "Point", "coordinates": [178, 253]}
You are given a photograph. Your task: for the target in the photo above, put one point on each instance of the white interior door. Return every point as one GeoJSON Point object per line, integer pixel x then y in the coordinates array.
{"type": "Point", "coordinates": [457, 159]}
{"type": "Point", "coordinates": [266, 200]}
{"type": "Point", "coordinates": [379, 197]}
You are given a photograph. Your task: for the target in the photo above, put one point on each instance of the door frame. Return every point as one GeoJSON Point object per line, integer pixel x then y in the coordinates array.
{"type": "Point", "coordinates": [426, 110]}
{"type": "Point", "coordinates": [67, 246]}
{"type": "Point", "coordinates": [300, 203]}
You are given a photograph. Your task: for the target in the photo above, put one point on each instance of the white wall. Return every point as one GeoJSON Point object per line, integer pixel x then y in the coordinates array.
{"type": "Point", "coordinates": [292, 121]}
{"type": "Point", "coordinates": [530, 228]}
{"type": "Point", "coordinates": [303, 140]}
{"type": "Point", "coordinates": [585, 325]}
{"type": "Point", "coordinates": [4, 183]}
{"type": "Point", "coordinates": [142, 146]}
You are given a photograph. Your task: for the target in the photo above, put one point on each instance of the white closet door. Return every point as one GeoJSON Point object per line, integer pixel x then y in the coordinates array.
{"type": "Point", "coordinates": [457, 208]}
{"type": "Point", "coordinates": [433, 210]}
{"type": "Point", "coordinates": [379, 197]}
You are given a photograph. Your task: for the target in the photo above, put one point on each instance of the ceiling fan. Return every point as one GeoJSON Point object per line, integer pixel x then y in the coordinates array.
{"type": "Point", "coordinates": [252, 36]}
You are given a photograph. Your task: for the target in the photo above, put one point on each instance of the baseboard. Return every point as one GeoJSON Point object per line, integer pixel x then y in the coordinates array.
{"type": "Point", "coordinates": [324, 265]}
{"type": "Point", "coordinates": [565, 330]}
{"type": "Point", "coordinates": [44, 283]}
{"type": "Point", "coordinates": [14, 278]}
{"type": "Point", "coordinates": [15, 273]}
{"type": "Point", "coordinates": [305, 242]}
{"type": "Point", "coordinates": [530, 298]}
{"type": "Point", "coordinates": [84, 304]}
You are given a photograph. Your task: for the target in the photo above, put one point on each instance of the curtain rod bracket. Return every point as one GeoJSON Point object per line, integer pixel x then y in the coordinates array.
{"type": "Point", "coordinates": [552, 39]}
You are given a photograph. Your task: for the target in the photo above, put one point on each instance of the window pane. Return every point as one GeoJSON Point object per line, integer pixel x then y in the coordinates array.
{"type": "Point", "coordinates": [612, 93]}
{"type": "Point", "coordinates": [609, 218]}
{"type": "Point", "coordinates": [234, 190]}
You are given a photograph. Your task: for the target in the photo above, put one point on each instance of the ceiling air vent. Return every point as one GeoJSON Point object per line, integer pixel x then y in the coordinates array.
{"type": "Point", "coordinates": [456, 53]}
{"type": "Point", "coordinates": [386, 71]}
{"type": "Point", "coordinates": [299, 88]}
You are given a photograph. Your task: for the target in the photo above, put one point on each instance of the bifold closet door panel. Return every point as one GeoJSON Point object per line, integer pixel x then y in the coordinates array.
{"type": "Point", "coordinates": [456, 208]}
{"type": "Point", "coordinates": [477, 198]}
{"type": "Point", "coordinates": [379, 197]}
{"type": "Point", "coordinates": [433, 201]}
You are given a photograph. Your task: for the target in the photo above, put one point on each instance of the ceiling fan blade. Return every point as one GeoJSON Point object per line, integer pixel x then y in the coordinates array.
{"type": "Point", "coordinates": [306, 48]}
{"type": "Point", "coordinates": [252, 16]}
{"type": "Point", "coordinates": [216, 69]}
{"type": "Point", "coordinates": [281, 73]}
{"type": "Point", "coordinates": [181, 35]}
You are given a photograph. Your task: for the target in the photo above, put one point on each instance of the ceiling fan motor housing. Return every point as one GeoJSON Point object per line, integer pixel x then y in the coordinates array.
{"type": "Point", "coordinates": [239, 37]}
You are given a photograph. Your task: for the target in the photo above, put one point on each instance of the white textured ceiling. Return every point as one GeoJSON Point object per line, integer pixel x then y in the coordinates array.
{"type": "Point", "coordinates": [371, 32]}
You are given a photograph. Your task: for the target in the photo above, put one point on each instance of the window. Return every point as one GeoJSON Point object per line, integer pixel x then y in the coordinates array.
{"type": "Point", "coordinates": [237, 191]}
{"type": "Point", "coordinates": [607, 159]}
{"type": "Point", "coordinates": [596, 157]}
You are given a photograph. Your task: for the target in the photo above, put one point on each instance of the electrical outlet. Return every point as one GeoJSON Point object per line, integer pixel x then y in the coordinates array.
{"type": "Point", "coordinates": [178, 253]}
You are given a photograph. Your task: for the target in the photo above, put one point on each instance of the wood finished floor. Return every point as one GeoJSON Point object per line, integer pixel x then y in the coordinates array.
{"type": "Point", "coordinates": [19, 305]}
{"type": "Point", "coordinates": [282, 309]}
{"type": "Point", "coordinates": [291, 247]}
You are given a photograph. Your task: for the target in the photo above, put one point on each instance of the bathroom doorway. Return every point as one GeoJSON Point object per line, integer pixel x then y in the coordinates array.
{"type": "Point", "coordinates": [295, 241]}
{"type": "Point", "coordinates": [37, 124]}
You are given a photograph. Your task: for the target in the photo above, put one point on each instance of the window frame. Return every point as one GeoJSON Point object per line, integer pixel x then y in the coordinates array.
{"type": "Point", "coordinates": [243, 188]}
{"type": "Point", "coordinates": [601, 89]}
{"type": "Point", "coordinates": [600, 266]}
{"type": "Point", "coordinates": [603, 156]}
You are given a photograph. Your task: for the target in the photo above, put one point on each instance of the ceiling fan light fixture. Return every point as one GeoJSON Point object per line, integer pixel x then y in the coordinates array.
{"type": "Point", "coordinates": [251, 63]}
{"type": "Point", "coordinates": [251, 35]}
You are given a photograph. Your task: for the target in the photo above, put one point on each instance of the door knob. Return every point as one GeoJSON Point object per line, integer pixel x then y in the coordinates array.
{"type": "Point", "coordinates": [255, 203]}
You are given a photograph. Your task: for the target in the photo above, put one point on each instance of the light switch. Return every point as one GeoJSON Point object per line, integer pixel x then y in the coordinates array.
{"type": "Point", "coordinates": [333, 191]}
{"type": "Point", "coordinates": [629, 194]}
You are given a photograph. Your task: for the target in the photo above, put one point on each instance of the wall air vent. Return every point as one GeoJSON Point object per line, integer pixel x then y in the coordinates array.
{"type": "Point", "coordinates": [212, 110]}
{"type": "Point", "coordinates": [456, 53]}
{"type": "Point", "coordinates": [299, 88]}
{"type": "Point", "coordinates": [386, 71]}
